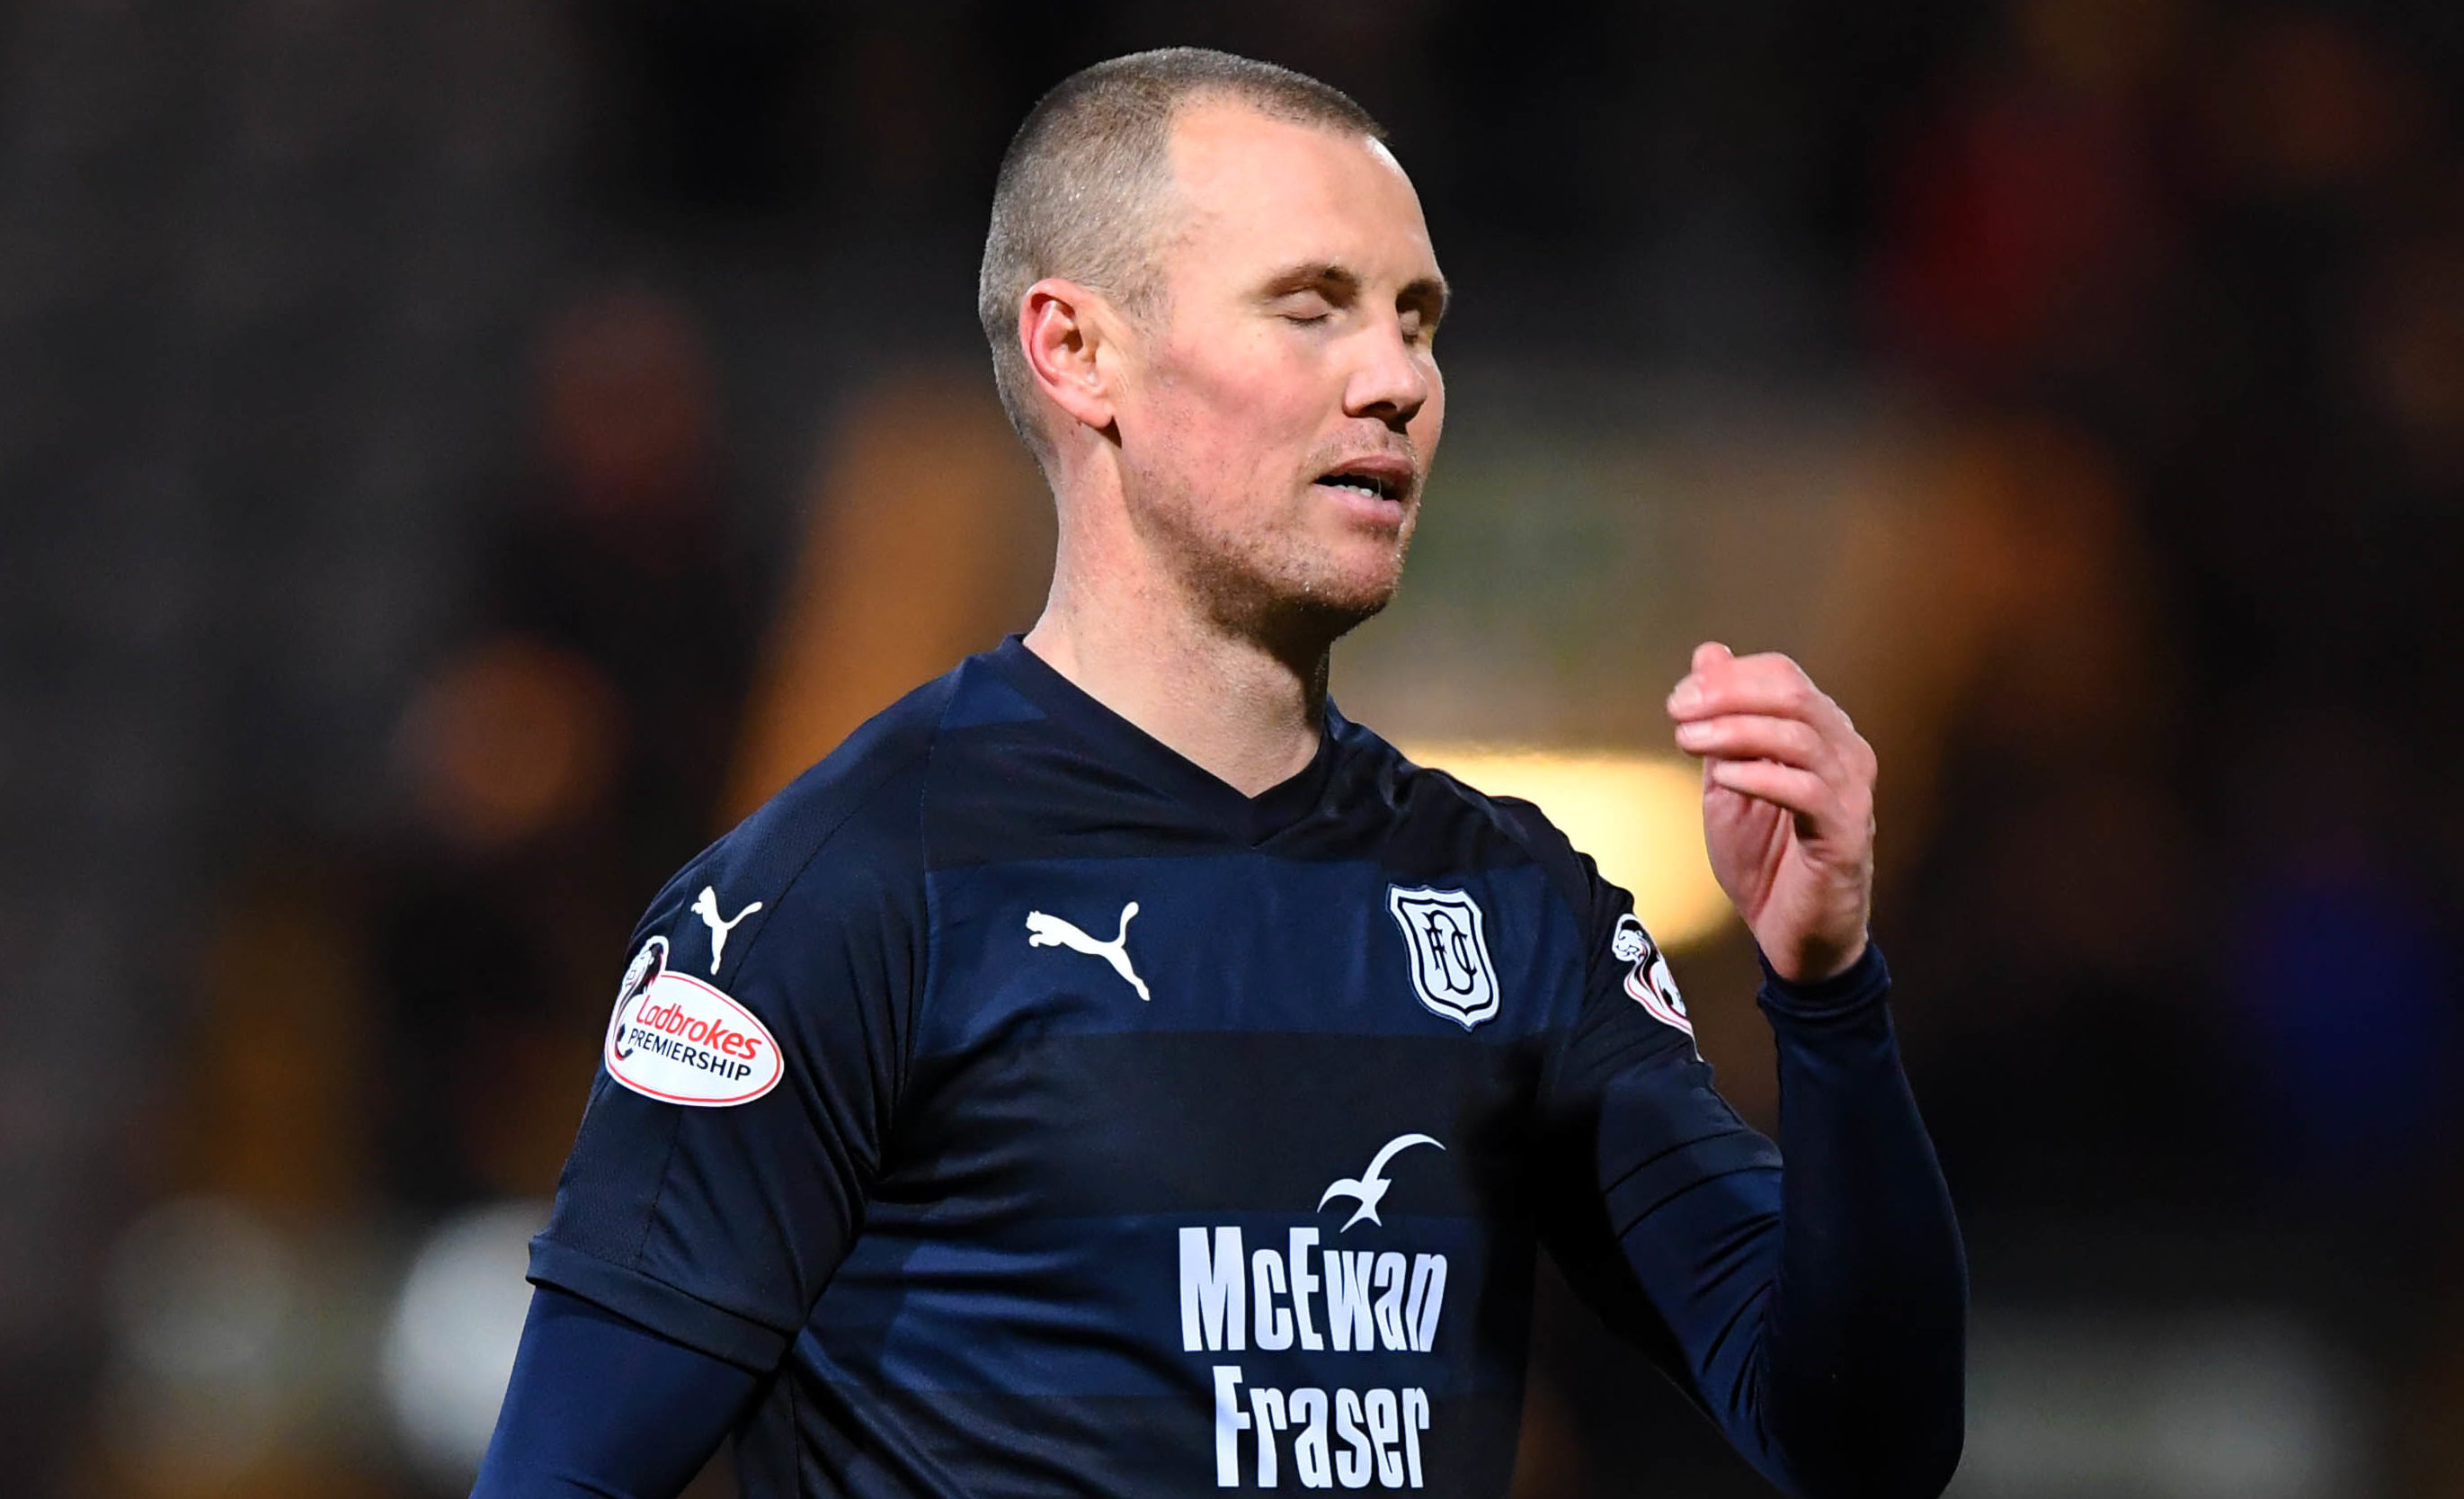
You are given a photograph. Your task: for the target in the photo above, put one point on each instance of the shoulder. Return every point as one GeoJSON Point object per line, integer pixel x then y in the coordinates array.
{"type": "Point", "coordinates": [842, 840]}
{"type": "Point", "coordinates": [1457, 822]}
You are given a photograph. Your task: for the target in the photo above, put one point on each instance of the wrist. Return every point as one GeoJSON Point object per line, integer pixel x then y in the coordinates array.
{"type": "Point", "coordinates": [1815, 962]}
{"type": "Point", "coordinates": [1864, 980]}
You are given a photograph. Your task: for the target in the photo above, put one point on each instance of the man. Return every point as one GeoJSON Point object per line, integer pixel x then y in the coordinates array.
{"type": "Point", "coordinates": [1112, 1071]}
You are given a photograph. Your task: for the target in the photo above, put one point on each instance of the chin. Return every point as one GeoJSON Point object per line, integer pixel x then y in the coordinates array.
{"type": "Point", "coordinates": [1336, 601]}
{"type": "Point", "coordinates": [1363, 593]}
{"type": "Point", "coordinates": [1299, 589]}
{"type": "Point", "coordinates": [1302, 610]}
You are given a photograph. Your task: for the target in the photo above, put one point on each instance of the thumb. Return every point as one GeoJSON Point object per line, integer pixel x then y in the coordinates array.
{"type": "Point", "coordinates": [1687, 695]}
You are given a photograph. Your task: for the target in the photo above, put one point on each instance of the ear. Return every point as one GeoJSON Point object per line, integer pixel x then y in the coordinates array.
{"type": "Point", "coordinates": [1063, 327]}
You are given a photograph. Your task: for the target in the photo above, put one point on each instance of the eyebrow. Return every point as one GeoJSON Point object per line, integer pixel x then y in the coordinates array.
{"type": "Point", "coordinates": [1429, 295]}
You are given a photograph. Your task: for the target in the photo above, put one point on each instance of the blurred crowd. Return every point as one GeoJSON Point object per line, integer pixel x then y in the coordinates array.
{"type": "Point", "coordinates": [2139, 322]}
{"type": "Point", "coordinates": [2192, 291]}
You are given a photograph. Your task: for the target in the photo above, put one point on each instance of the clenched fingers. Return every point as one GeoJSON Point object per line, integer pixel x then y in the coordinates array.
{"type": "Point", "coordinates": [1770, 686]}
{"type": "Point", "coordinates": [1748, 736]}
{"type": "Point", "coordinates": [1800, 792]}
{"type": "Point", "coordinates": [1770, 683]}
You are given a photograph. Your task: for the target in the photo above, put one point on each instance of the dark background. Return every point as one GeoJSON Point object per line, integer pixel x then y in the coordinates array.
{"type": "Point", "coordinates": [456, 455]}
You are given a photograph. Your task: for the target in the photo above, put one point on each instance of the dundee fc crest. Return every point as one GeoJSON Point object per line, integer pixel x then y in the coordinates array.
{"type": "Point", "coordinates": [1449, 952]}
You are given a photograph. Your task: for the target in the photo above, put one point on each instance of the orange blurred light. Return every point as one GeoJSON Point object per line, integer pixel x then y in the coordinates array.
{"type": "Point", "coordinates": [1639, 816]}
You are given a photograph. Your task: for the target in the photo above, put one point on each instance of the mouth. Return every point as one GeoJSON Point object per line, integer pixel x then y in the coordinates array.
{"type": "Point", "coordinates": [1379, 478]}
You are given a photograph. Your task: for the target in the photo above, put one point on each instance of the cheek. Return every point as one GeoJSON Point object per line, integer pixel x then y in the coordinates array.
{"type": "Point", "coordinates": [1240, 408]}
{"type": "Point", "coordinates": [1429, 423]}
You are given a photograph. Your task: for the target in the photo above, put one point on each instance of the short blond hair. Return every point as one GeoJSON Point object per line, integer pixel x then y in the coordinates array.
{"type": "Point", "coordinates": [1085, 178]}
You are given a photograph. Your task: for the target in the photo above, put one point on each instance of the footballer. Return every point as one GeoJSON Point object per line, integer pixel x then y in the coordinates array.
{"type": "Point", "coordinates": [1114, 1071]}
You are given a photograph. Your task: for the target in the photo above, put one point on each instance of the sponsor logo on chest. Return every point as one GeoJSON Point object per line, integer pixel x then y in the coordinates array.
{"type": "Point", "coordinates": [1320, 1298]}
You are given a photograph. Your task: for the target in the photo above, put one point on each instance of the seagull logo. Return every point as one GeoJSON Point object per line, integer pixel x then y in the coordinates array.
{"type": "Point", "coordinates": [706, 907]}
{"type": "Point", "coordinates": [1368, 1189]}
{"type": "Point", "coordinates": [1043, 931]}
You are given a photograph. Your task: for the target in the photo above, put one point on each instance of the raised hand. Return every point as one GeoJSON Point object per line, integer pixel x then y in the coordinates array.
{"type": "Point", "coordinates": [1788, 806]}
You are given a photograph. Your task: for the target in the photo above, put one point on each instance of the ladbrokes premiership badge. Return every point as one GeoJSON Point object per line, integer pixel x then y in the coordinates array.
{"type": "Point", "coordinates": [1648, 983]}
{"type": "Point", "coordinates": [681, 1041]}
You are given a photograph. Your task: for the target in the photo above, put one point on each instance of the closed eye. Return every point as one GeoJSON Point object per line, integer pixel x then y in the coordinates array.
{"type": "Point", "coordinates": [1304, 305]}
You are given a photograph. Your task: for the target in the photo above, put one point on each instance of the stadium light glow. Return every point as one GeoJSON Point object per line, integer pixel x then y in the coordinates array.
{"type": "Point", "coordinates": [456, 1323]}
{"type": "Point", "coordinates": [1641, 816]}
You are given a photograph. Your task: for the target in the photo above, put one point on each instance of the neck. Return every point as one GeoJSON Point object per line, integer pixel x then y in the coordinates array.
{"type": "Point", "coordinates": [1247, 710]}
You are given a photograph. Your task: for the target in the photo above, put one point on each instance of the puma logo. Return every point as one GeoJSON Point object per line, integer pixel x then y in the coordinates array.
{"type": "Point", "coordinates": [1043, 931]}
{"type": "Point", "coordinates": [706, 906]}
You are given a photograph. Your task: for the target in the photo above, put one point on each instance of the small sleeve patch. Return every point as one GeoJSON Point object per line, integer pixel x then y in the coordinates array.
{"type": "Point", "coordinates": [681, 1041]}
{"type": "Point", "coordinates": [1648, 983]}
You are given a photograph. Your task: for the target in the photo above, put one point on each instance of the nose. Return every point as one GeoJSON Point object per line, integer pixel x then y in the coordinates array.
{"type": "Point", "coordinates": [1391, 379]}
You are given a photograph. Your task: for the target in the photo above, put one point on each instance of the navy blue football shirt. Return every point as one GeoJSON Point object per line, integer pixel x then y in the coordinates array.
{"type": "Point", "coordinates": [1036, 1113]}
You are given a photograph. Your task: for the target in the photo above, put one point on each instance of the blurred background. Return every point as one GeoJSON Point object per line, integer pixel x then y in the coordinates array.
{"type": "Point", "coordinates": [459, 455]}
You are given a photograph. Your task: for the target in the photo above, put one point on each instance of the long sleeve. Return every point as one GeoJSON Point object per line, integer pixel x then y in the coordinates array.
{"type": "Point", "coordinates": [599, 1409]}
{"type": "Point", "coordinates": [1822, 1309]}
{"type": "Point", "coordinates": [1815, 1309]}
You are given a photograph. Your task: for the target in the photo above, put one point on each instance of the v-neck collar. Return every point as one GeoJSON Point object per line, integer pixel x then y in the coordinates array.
{"type": "Point", "coordinates": [1249, 819]}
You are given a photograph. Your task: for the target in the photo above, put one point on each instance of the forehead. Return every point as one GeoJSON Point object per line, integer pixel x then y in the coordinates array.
{"type": "Point", "coordinates": [1255, 191]}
